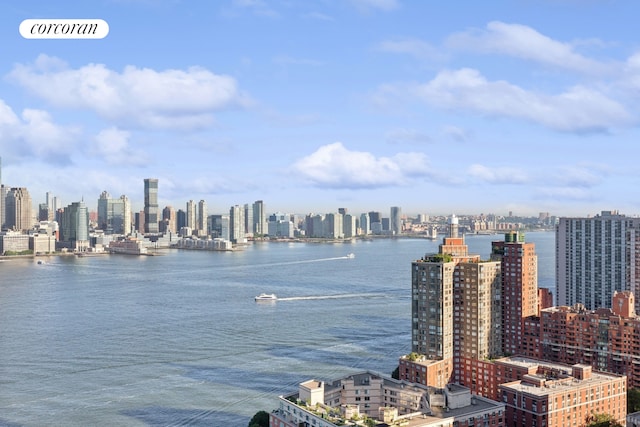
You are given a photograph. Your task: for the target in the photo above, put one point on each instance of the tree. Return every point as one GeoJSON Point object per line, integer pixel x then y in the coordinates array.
{"type": "Point", "coordinates": [602, 420]}
{"type": "Point", "coordinates": [633, 400]}
{"type": "Point", "coordinates": [260, 419]}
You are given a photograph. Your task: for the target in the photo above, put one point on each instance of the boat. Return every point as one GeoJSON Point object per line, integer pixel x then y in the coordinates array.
{"type": "Point", "coordinates": [350, 255]}
{"type": "Point", "coordinates": [266, 297]}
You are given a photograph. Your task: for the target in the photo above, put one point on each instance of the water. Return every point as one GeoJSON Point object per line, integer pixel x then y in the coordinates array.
{"type": "Point", "coordinates": [177, 340]}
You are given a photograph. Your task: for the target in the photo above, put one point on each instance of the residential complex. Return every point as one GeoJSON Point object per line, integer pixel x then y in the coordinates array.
{"type": "Point", "coordinates": [595, 257]}
{"type": "Point", "coordinates": [367, 395]}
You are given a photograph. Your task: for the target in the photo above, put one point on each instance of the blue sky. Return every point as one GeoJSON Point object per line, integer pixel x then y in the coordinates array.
{"type": "Point", "coordinates": [437, 107]}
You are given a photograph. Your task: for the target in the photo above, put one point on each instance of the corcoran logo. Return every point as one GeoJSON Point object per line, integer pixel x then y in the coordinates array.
{"type": "Point", "coordinates": [64, 29]}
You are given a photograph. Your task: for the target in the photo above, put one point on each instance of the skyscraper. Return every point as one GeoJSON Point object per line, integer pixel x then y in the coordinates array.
{"type": "Point", "coordinates": [202, 218]}
{"type": "Point", "coordinates": [170, 220]}
{"type": "Point", "coordinates": [74, 228]}
{"type": "Point", "coordinates": [151, 205]}
{"type": "Point", "coordinates": [191, 215]}
{"type": "Point", "coordinates": [114, 215]}
{"type": "Point", "coordinates": [236, 224]}
{"type": "Point", "coordinates": [519, 286]}
{"type": "Point", "coordinates": [455, 308]}
{"type": "Point", "coordinates": [259, 218]}
{"type": "Point", "coordinates": [395, 220]}
{"type": "Point", "coordinates": [595, 257]}
{"type": "Point", "coordinates": [18, 209]}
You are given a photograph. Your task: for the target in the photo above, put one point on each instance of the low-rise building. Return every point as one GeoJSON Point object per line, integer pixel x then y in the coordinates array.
{"type": "Point", "coordinates": [369, 396]}
{"type": "Point", "coordinates": [549, 394]}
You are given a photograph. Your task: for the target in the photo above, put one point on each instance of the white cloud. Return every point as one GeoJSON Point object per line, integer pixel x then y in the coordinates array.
{"type": "Point", "coordinates": [524, 42]}
{"type": "Point", "coordinates": [170, 99]}
{"type": "Point", "coordinates": [497, 175]}
{"type": "Point", "coordinates": [334, 166]}
{"type": "Point", "coordinates": [34, 135]}
{"type": "Point", "coordinates": [112, 145]}
{"type": "Point", "coordinates": [578, 109]}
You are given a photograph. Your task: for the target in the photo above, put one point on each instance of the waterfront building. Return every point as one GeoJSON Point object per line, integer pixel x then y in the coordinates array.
{"type": "Point", "coordinates": [349, 225]}
{"type": "Point", "coordinates": [595, 257]}
{"type": "Point", "coordinates": [151, 218]}
{"type": "Point", "coordinates": [386, 402]}
{"type": "Point", "coordinates": [248, 220]}
{"type": "Point", "coordinates": [236, 225]}
{"type": "Point", "coordinates": [202, 218]}
{"type": "Point", "coordinates": [519, 286]}
{"type": "Point", "coordinates": [395, 221]}
{"type": "Point", "coordinates": [13, 241]}
{"type": "Point", "coordinates": [334, 226]}
{"type": "Point", "coordinates": [18, 210]}
{"type": "Point", "coordinates": [114, 215]}
{"type": "Point", "coordinates": [74, 227]}
{"type": "Point", "coordinates": [364, 224]}
{"type": "Point", "coordinates": [259, 218]}
{"type": "Point", "coordinates": [191, 215]}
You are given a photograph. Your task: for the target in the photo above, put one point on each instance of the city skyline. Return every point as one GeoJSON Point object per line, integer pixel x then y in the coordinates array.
{"type": "Point", "coordinates": [365, 104]}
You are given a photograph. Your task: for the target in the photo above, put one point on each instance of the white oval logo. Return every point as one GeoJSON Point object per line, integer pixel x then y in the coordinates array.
{"type": "Point", "coordinates": [64, 28]}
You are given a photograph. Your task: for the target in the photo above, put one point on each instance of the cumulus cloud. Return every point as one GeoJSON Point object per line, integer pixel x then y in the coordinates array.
{"type": "Point", "coordinates": [169, 99]}
{"type": "Point", "coordinates": [334, 166]}
{"type": "Point", "coordinates": [578, 109]}
{"type": "Point", "coordinates": [112, 145]}
{"type": "Point", "coordinates": [524, 42]}
{"type": "Point", "coordinates": [34, 135]}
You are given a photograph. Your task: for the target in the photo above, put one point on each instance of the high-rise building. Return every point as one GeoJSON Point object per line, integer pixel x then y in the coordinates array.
{"type": "Point", "coordinates": [236, 224]}
{"type": "Point", "coordinates": [364, 224]}
{"type": "Point", "coordinates": [114, 215]}
{"type": "Point", "coordinates": [151, 217]}
{"type": "Point", "coordinates": [52, 205]}
{"type": "Point", "coordinates": [202, 218]}
{"type": "Point", "coordinates": [595, 257]}
{"type": "Point", "coordinates": [349, 224]}
{"type": "Point", "coordinates": [170, 220]}
{"type": "Point", "coordinates": [74, 227]}
{"type": "Point", "coordinates": [259, 218]}
{"type": "Point", "coordinates": [519, 287]}
{"type": "Point", "coordinates": [18, 210]}
{"type": "Point", "coordinates": [248, 220]}
{"type": "Point", "coordinates": [395, 220]}
{"type": "Point", "coordinates": [455, 310]}
{"type": "Point", "coordinates": [191, 214]}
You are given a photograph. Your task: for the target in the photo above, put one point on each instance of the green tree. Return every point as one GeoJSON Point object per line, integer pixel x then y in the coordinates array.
{"type": "Point", "coordinates": [633, 400]}
{"type": "Point", "coordinates": [602, 420]}
{"type": "Point", "coordinates": [260, 419]}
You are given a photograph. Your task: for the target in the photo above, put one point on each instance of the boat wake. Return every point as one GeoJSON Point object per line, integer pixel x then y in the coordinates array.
{"type": "Point", "coordinates": [337, 296]}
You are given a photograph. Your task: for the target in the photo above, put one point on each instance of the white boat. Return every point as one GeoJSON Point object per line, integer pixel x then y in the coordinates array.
{"type": "Point", "coordinates": [350, 255]}
{"type": "Point", "coordinates": [266, 297]}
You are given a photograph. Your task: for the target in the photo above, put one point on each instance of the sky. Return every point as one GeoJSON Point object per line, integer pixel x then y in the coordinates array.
{"type": "Point", "coordinates": [463, 107]}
